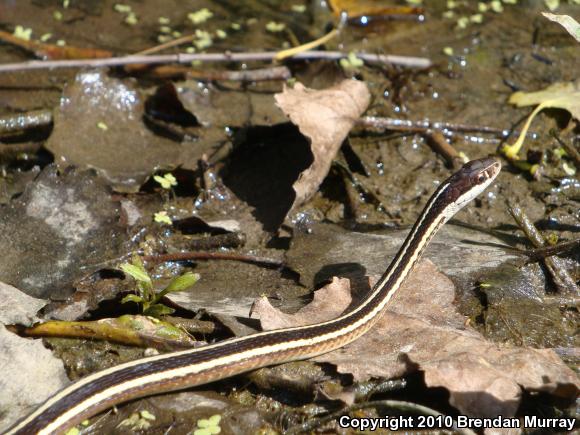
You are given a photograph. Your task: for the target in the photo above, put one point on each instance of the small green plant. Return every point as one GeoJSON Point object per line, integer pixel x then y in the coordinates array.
{"type": "Point", "coordinates": [208, 426]}
{"type": "Point", "coordinates": [167, 181]}
{"type": "Point", "coordinates": [351, 63]}
{"type": "Point", "coordinates": [147, 297]}
{"type": "Point", "coordinates": [162, 217]}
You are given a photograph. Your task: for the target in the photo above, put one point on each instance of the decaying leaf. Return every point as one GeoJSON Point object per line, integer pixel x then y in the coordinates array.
{"type": "Point", "coordinates": [132, 330]}
{"type": "Point", "coordinates": [558, 96]}
{"type": "Point", "coordinates": [422, 331]}
{"type": "Point", "coordinates": [337, 292]}
{"type": "Point", "coordinates": [325, 117]}
{"type": "Point", "coordinates": [567, 22]}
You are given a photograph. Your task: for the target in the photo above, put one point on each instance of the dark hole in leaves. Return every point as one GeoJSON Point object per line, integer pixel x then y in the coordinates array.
{"type": "Point", "coordinates": [263, 168]}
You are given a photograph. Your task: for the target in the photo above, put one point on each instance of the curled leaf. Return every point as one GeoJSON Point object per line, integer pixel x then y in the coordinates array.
{"type": "Point", "coordinates": [329, 302]}
{"type": "Point", "coordinates": [325, 117]}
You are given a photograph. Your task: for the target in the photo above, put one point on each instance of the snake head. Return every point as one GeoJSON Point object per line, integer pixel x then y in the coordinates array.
{"type": "Point", "coordinates": [472, 179]}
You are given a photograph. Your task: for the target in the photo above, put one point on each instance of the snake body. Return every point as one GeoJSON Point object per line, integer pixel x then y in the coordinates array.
{"type": "Point", "coordinates": [188, 368]}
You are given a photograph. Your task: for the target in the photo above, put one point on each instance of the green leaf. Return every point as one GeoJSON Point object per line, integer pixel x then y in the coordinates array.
{"type": "Point", "coordinates": [132, 298]}
{"type": "Point", "coordinates": [167, 181]}
{"type": "Point", "coordinates": [137, 272]}
{"type": "Point", "coordinates": [181, 282]}
{"type": "Point", "coordinates": [145, 290]}
{"type": "Point", "coordinates": [158, 310]}
{"type": "Point", "coordinates": [162, 217]}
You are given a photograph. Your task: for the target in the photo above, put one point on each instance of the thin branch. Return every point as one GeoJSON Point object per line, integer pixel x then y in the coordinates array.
{"type": "Point", "coordinates": [561, 301]}
{"type": "Point", "coordinates": [560, 275]}
{"type": "Point", "coordinates": [570, 150]}
{"type": "Point", "coordinates": [217, 241]}
{"type": "Point", "coordinates": [439, 144]}
{"type": "Point", "coordinates": [18, 122]}
{"type": "Point", "coordinates": [184, 256]}
{"type": "Point", "coordinates": [308, 46]}
{"type": "Point", "coordinates": [548, 251]}
{"type": "Point", "coordinates": [416, 126]}
{"type": "Point", "coordinates": [174, 43]}
{"type": "Point", "coordinates": [411, 62]}
{"type": "Point", "coordinates": [253, 75]}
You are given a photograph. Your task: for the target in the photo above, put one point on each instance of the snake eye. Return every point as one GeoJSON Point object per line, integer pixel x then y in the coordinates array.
{"type": "Point", "coordinates": [481, 178]}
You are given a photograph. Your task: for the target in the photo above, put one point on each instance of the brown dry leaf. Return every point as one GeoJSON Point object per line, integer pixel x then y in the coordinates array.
{"type": "Point", "coordinates": [329, 302]}
{"type": "Point", "coordinates": [325, 117]}
{"type": "Point", "coordinates": [426, 333]}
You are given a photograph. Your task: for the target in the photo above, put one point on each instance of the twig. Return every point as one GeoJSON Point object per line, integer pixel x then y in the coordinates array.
{"type": "Point", "coordinates": [570, 150]}
{"type": "Point", "coordinates": [193, 326]}
{"type": "Point", "coordinates": [308, 46]}
{"type": "Point", "coordinates": [417, 126]}
{"type": "Point", "coordinates": [150, 334]}
{"type": "Point", "coordinates": [361, 187]}
{"type": "Point", "coordinates": [363, 390]}
{"type": "Point", "coordinates": [560, 276]}
{"type": "Point", "coordinates": [217, 241]}
{"type": "Point", "coordinates": [14, 150]}
{"type": "Point", "coordinates": [52, 51]}
{"type": "Point", "coordinates": [19, 122]}
{"type": "Point", "coordinates": [184, 256]}
{"type": "Point", "coordinates": [571, 353]}
{"type": "Point", "coordinates": [548, 251]}
{"type": "Point", "coordinates": [411, 62]}
{"type": "Point", "coordinates": [255, 75]}
{"type": "Point", "coordinates": [559, 301]}
{"type": "Point", "coordinates": [395, 404]}
{"type": "Point", "coordinates": [180, 71]}
{"type": "Point", "coordinates": [170, 44]}
{"type": "Point", "coordinates": [440, 145]}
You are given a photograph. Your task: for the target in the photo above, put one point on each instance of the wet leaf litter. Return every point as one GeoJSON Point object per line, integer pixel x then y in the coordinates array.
{"type": "Point", "coordinates": [305, 193]}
